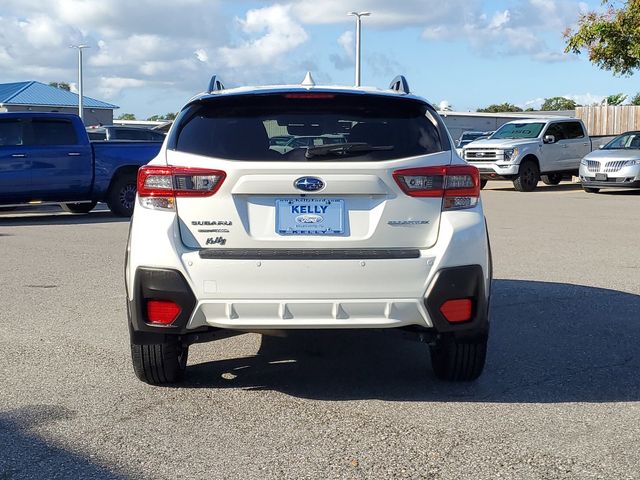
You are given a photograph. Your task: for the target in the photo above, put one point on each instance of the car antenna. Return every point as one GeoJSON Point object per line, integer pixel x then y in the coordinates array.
{"type": "Point", "coordinates": [308, 81]}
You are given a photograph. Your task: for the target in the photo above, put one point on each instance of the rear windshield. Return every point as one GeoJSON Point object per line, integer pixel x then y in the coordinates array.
{"type": "Point", "coordinates": [518, 130]}
{"type": "Point", "coordinates": [299, 127]}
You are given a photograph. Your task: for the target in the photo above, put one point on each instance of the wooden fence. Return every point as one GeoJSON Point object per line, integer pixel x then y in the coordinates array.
{"type": "Point", "coordinates": [609, 120]}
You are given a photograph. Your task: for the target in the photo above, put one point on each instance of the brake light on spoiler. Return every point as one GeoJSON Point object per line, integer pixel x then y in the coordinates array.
{"type": "Point", "coordinates": [159, 186]}
{"type": "Point", "coordinates": [457, 185]}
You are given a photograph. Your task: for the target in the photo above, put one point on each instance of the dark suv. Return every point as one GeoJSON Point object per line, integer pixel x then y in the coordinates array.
{"type": "Point", "coordinates": [114, 132]}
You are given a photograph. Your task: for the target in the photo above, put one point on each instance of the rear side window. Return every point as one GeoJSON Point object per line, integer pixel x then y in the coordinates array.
{"type": "Point", "coordinates": [565, 130]}
{"type": "Point", "coordinates": [10, 133]}
{"type": "Point", "coordinates": [557, 131]}
{"type": "Point", "coordinates": [139, 134]}
{"type": "Point", "coordinates": [297, 127]}
{"type": "Point", "coordinates": [573, 130]}
{"type": "Point", "coordinates": [52, 132]}
{"type": "Point", "coordinates": [97, 135]}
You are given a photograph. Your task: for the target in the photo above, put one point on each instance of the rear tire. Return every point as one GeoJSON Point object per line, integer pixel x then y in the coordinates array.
{"type": "Point", "coordinates": [159, 363]}
{"type": "Point", "coordinates": [528, 177]}
{"type": "Point", "coordinates": [121, 197]}
{"type": "Point", "coordinates": [483, 183]}
{"type": "Point", "coordinates": [460, 359]}
{"type": "Point", "coordinates": [78, 207]}
{"type": "Point", "coordinates": [591, 189]}
{"type": "Point", "coordinates": [551, 179]}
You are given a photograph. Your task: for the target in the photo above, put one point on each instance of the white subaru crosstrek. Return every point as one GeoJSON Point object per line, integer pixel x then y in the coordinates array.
{"type": "Point", "coordinates": [384, 230]}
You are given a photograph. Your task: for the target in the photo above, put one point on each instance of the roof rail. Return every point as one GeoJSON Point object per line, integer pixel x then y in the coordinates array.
{"type": "Point", "coordinates": [399, 84]}
{"type": "Point", "coordinates": [215, 84]}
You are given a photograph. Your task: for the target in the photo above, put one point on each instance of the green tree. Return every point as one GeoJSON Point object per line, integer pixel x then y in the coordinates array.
{"type": "Point", "coordinates": [558, 103]}
{"type": "Point", "coordinates": [611, 39]}
{"type": "Point", "coordinates": [61, 85]}
{"type": "Point", "coordinates": [635, 100]}
{"type": "Point", "coordinates": [126, 116]}
{"type": "Point", "coordinates": [499, 108]}
{"type": "Point", "coordinates": [616, 99]}
{"type": "Point", "coordinates": [166, 116]}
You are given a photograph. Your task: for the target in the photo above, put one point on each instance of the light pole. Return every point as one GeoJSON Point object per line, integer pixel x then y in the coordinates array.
{"type": "Point", "coordinates": [358, 16]}
{"type": "Point", "coordinates": [80, 89]}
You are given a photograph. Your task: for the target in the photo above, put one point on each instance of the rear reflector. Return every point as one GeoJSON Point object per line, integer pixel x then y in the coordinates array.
{"type": "Point", "coordinates": [162, 312]}
{"type": "Point", "coordinates": [456, 311]}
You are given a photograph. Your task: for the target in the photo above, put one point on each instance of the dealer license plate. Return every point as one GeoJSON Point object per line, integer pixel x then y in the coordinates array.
{"type": "Point", "coordinates": [601, 177]}
{"type": "Point", "coordinates": [309, 216]}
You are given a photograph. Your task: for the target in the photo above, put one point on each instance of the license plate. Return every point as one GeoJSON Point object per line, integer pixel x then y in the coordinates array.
{"type": "Point", "coordinates": [601, 177]}
{"type": "Point", "coordinates": [309, 216]}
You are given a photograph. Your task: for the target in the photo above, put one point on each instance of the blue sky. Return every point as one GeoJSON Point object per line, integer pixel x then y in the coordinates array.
{"type": "Point", "coordinates": [150, 56]}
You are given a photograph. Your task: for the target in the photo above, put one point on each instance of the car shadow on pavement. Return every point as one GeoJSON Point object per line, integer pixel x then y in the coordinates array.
{"type": "Point", "coordinates": [26, 454]}
{"type": "Point", "coordinates": [550, 342]}
{"type": "Point", "coordinates": [26, 218]}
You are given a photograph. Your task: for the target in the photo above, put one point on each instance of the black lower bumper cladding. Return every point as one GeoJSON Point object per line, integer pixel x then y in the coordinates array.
{"type": "Point", "coordinates": [159, 284]}
{"type": "Point", "coordinates": [457, 283]}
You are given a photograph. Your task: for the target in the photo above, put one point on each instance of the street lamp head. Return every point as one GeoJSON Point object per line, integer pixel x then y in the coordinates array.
{"type": "Point", "coordinates": [359, 14]}
{"type": "Point", "coordinates": [79, 46]}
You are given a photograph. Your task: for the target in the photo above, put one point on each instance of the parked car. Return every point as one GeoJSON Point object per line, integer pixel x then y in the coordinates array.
{"type": "Point", "coordinates": [47, 158]}
{"type": "Point", "coordinates": [384, 231]}
{"type": "Point", "coordinates": [117, 132]}
{"type": "Point", "coordinates": [527, 151]}
{"type": "Point", "coordinates": [469, 136]}
{"type": "Point", "coordinates": [614, 165]}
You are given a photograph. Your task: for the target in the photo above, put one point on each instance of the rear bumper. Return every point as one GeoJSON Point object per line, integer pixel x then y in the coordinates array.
{"type": "Point", "coordinates": [257, 291]}
{"type": "Point", "coordinates": [338, 313]}
{"type": "Point", "coordinates": [611, 183]}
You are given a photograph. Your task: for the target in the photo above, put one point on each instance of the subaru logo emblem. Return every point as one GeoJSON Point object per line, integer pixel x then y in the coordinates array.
{"type": "Point", "coordinates": [309, 184]}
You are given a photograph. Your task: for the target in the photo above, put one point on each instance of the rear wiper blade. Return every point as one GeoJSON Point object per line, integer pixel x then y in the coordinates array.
{"type": "Point", "coordinates": [344, 149]}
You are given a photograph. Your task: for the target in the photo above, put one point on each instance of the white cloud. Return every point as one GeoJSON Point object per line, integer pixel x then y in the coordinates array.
{"type": "Point", "coordinates": [346, 58]}
{"type": "Point", "coordinates": [202, 55]}
{"type": "Point", "coordinates": [384, 14]}
{"type": "Point", "coordinates": [138, 40]}
{"type": "Point", "coordinates": [586, 98]}
{"type": "Point", "coordinates": [519, 30]}
{"type": "Point", "coordinates": [112, 86]}
{"type": "Point", "coordinates": [346, 41]}
{"type": "Point", "coordinates": [280, 34]}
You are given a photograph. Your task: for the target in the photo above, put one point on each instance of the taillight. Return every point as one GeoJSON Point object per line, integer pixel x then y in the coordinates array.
{"type": "Point", "coordinates": [458, 185]}
{"type": "Point", "coordinates": [158, 186]}
{"type": "Point", "coordinates": [162, 312]}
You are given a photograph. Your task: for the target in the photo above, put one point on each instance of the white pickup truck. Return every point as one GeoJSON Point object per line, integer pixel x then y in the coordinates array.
{"type": "Point", "coordinates": [527, 151]}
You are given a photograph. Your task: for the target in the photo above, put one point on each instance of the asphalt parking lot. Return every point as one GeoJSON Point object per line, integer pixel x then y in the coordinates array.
{"type": "Point", "coordinates": [559, 399]}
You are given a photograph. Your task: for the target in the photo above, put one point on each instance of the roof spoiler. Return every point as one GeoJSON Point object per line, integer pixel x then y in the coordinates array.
{"type": "Point", "coordinates": [400, 85]}
{"type": "Point", "coordinates": [215, 84]}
